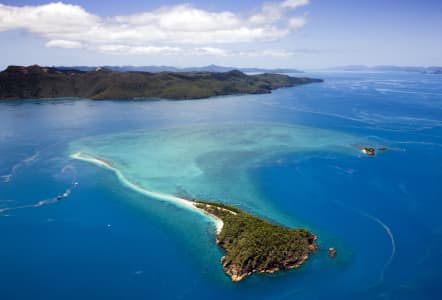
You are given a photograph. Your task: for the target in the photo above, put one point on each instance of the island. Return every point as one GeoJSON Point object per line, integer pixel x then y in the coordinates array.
{"type": "Point", "coordinates": [35, 82]}
{"type": "Point", "coordinates": [253, 245]}
{"type": "Point", "coordinates": [209, 68]}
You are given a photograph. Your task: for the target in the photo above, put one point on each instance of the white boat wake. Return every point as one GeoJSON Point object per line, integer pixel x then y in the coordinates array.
{"type": "Point", "coordinates": [387, 230]}
{"type": "Point", "coordinates": [393, 244]}
{"type": "Point", "coordinates": [26, 161]}
{"type": "Point", "coordinates": [52, 200]}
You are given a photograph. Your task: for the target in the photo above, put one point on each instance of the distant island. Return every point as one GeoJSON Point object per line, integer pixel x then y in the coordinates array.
{"type": "Point", "coordinates": [390, 68]}
{"type": "Point", "coordinates": [157, 69]}
{"type": "Point", "coordinates": [17, 82]}
{"type": "Point", "coordinates": [253, 245]}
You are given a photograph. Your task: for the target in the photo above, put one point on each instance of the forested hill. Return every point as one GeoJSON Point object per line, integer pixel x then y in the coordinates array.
{"type": "Point", "coordinates": [17, 82]}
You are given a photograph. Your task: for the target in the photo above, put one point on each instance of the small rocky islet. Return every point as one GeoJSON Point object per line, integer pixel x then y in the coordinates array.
{"type": "Point", "coordinates": [371, 151]}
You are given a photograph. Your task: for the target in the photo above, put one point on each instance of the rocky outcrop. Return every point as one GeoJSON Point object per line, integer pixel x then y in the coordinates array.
{"type": "Point", "coordinates": [370, 151]}
{"type": "Point", "coordinates": [238, 272]}
{"type": "Point", "coordinates": [331, 252]}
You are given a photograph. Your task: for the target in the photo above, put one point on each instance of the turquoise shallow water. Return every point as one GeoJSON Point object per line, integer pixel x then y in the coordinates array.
{"type": "Point", "coordinates": [291, 157]}
{"type": "Point", "coordinates": [210, 161]}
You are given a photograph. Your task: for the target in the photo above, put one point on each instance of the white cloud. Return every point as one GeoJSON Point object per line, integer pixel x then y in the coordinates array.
{"type": "Point", "coordinates": [266, 53]}
{"type": "Point", "coordinates": [273, 12]}
{"type": "Point", "coordinates": [155, 32]}
{"type": "Point", "coordinates": [138, 50]}
{"type": "Point", "coordinates": [64, 44]}
{"type": "Point", "coordinates": [212, 51]}
{"type": "Point", "coordinates": [50, 20]}
{"type": "Point", "coordinates": [183, 18]}
{"type": "Point", "coordinates": [297, 22]}
{"type": "Point", "coordinates": [200, 51]}
{"type": "Point", "coordinates": [294, 3]}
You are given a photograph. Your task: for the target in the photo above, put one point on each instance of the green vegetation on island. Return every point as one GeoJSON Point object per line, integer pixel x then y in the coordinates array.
{"type": "Point", "coordinates": [18, 82]}
{"type": "Point", "coordinates": [253, 245]}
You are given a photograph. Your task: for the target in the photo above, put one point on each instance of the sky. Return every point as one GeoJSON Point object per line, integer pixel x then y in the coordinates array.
{"type": "Point", "coordinates": [304, 34]}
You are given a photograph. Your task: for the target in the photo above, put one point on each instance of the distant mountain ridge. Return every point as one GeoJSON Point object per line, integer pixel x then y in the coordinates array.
{"type": "Point", "coordinates": [157, 69]}
{"type": "Point", "coordinates": [390, 68]}
{"type": "Point", "coordinates": [17, 82]}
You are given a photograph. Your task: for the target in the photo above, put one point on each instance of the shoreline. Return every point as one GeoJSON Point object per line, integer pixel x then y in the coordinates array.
{"type": "Point", "coordinates": [178, 201]}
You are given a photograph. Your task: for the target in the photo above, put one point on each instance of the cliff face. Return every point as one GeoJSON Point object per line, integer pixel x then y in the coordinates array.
{"type": "Point", "coordinates": [43, 82]}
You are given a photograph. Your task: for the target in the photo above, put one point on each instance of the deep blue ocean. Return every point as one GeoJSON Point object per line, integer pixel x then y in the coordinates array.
{"type": "Point", "coordinates": [104, 241]}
